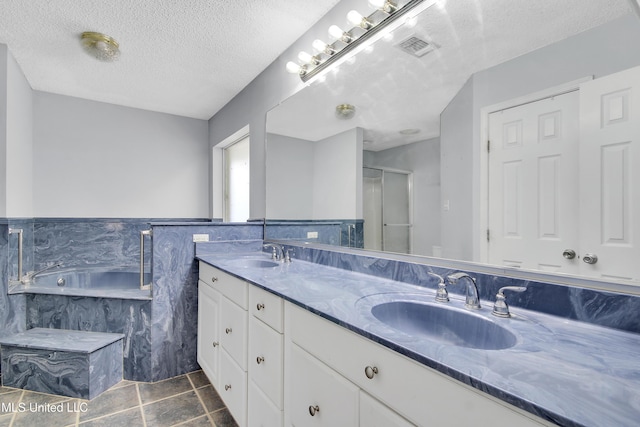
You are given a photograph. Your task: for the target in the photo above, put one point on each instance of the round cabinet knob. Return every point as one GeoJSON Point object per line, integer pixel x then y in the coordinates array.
{"type": "Point", "coordinates": [228, 331]}
{"type": "Point", "coordinates": [313, 410]}
{"type": "Point", "coordinates": [370, 371]}
{"type": "Point", "coordinates": [214, 279]}
{"type": "Point", "coordinates": [259, 359]}
{"type": "Point", "coordinates": [260, 306]}
{"type": "Point", "coordinates": [569, 254]}
{"type": "Point", "coordinates": [590, 258]}
{"type": "Point", "coordinates": [227, 387]}
{"type": "Point", "coordinates": [215, 343]}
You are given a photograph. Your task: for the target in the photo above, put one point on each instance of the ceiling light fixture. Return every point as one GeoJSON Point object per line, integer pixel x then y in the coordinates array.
{"type": "Point", "coordinates": [100, 46]}
{"type": "Point", "coordinates": [366, 31]}
{"type": "Point", "coordinates": [345, 111]}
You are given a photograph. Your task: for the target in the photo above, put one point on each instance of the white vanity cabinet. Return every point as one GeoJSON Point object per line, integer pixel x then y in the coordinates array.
{"type": "Point", "coordinates": [222, 336]}
{"type": "Point", "coordinates": [421, 395]}
{"type": "Point", "coordinates": [266, 361]}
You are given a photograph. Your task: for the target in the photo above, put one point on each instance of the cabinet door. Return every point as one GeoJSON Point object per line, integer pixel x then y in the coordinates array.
{"type": "Point", "coordinates": [208, 331]}
{"type": "Point", "coordinates": [262, 412]}
{"type": "Point", "coordinates": [233, 331]}
{"type": "Point", "coordinates": [375, 414]}
{"type": "Point", "coordinates": [233, 388]}
{"type": "Point", "coordinates": [318, 395]}
{"type": "Point", "coordinates": [266, 307]}
{"type": "Point", "coordinates": [265, 360]}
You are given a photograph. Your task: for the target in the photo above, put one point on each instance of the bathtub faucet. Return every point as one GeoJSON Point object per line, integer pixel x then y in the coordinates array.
{"type": "Point", "coordinates": [27, 278]}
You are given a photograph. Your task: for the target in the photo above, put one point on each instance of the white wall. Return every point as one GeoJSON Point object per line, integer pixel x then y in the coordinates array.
{"type": "Point", "coordinates": [337, 182]}
{"type": "Point", "coordinates": [3, 130]}
{"type": "Point", "coordinates": [93, 159]}
{"type": "Point", "coordinates": [289, 178]}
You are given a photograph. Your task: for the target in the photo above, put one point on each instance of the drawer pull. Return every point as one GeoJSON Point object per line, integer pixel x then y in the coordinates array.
{"type": "Point", "coordinates": [260, 306]}
{"type": "Point", "coordinates": [227, 387]}
{"type": "Point", "coordinates": [214, 279]}
{"type": "Point", "coordinates": [370, 371]}
{"type": "Point", "coordinates": [259, 359]}
{"type": "Point", "coordinates": [228, 331]}
{"type": "Point", "coordinates": [215, 343]}
{"type": "Point", "coordinates": [313, 410]}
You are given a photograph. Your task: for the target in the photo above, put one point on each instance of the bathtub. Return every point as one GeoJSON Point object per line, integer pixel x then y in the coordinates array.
{"type": "Point", "coordinates": [100, 282]}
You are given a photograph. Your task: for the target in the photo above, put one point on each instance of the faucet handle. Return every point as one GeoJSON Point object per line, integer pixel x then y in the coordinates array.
{"type": "Point", "coordinates": [441, 294]}
{"type": "Point", "coordinates": [287, 256]}
{"type": "Point", "coordinates": [500, 307]}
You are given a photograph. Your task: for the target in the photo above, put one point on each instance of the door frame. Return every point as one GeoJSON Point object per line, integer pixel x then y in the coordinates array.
{"type": "Point", "coordinates": [483, 204]}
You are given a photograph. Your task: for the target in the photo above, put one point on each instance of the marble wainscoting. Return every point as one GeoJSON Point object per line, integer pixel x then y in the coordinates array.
{"type": "Point", "coordinates": [175, 290]}
{"type": "Point", "coordinates": [347, 233]}
{"type": "Point", "coordinates": [613, 310]}
{"type": "Point", "coordinates": [12, 307]}
{"type": "Point", "coordinates": [129, 317]}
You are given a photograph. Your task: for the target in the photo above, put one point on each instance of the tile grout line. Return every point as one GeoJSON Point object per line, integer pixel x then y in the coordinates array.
{"type": "Point", "coordinates": [206, 411]}
{"type": "Point", "coordinates": [144, 419]}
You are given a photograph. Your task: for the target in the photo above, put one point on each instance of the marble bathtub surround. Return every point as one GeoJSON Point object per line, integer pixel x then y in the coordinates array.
{"type": "Point", "coordinates": [62, 362]}
{"type": "Point", "coordinates": [568, 372]}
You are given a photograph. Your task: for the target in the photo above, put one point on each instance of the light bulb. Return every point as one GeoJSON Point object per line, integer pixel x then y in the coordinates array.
{"type": "Point", "coordinates": [338, 34]}
{"type": "Point", "coordinates": [354, 17]}
{"type": "Point", "coordinates": [305, 57]}
{"type": "Point", "coordinates": [319, 45]}
{"type": "Point", "coordinates": [387, 6]}
{"type": "Point", "coordinates": [293, 68]}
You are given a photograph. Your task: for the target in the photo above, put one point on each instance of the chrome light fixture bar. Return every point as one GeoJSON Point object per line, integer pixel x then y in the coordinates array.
{"type": "Point", "coordinates": [349, 44]}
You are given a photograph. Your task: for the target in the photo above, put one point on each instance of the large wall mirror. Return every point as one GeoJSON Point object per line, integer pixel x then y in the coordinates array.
{"type": "Point", "coordinates": [503, 132]}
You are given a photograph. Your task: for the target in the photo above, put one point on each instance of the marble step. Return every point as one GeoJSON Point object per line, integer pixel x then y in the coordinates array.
{"type": "Point", "coordinates": [69, 363]}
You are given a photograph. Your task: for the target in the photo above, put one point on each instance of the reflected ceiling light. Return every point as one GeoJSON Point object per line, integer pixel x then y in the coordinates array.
{"type": "Point", "coordinates": [356, 19]}
{"type": "Point", "coordinates": [345, 111]}
{"type": "Point", "coordinates": [635, 5]}
{"type": "Point", "coordinates": [366, 31]}
{"type": "Point", "coordinates": [100, 46]}
{"type": "Point", "coordinates": [387, 6]}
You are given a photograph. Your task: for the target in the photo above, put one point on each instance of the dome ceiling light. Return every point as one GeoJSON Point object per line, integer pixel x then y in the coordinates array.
{"type": "Point", "coordinates": [345, 111]}
{"type": "Point", "coordinates": [100, 46]}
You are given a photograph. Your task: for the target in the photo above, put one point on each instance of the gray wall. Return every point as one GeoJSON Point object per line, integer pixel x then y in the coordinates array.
{"type": "Point", "coordinates": [597, 52]}
{"type": "Point", "coordinates": [93, 159]}
{"type": "Point", "coordinates": [423, 159]}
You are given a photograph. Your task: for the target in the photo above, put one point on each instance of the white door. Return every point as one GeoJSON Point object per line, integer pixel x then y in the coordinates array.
{"type": "Point", "coordinates": [533, 184]}
{"type": "Point", "coordinates": [609, 191]}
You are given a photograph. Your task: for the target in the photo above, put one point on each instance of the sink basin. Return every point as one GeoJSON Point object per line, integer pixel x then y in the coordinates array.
{"type": "Point", "coordinates": [255, 263]}
{"type": "Point", "coordinates": [444, 324]}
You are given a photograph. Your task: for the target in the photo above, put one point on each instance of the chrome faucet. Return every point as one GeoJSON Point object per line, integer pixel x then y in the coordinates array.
{"type": "Point", "coordinates": [27, 278]}
{"type": "Point", "coordinates": [472, 301]}
{"type": "Point", "coordinates": [277, 252]}
{"type": "Point", "coordinates": [500, 307]}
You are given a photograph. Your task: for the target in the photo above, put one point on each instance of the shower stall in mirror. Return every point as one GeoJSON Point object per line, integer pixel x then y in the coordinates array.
{"type": "Point", "coordinates": [387, 209]}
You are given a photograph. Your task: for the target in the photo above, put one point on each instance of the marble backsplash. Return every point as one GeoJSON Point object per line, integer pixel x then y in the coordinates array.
{"type": "Point", "coordinates": [348, 233]}
{"type": "Point", "coordinates": [603, 308]}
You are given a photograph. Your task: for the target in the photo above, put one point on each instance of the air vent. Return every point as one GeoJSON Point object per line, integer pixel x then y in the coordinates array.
{"type": "Point", "coordinates": [416, 46]}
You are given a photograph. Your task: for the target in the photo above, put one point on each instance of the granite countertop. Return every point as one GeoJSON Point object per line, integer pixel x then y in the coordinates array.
{"type": "Point", "coordinates": [564, 371]}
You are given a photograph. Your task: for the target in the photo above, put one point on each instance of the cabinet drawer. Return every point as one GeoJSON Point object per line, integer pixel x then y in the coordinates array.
{"type": "Point", "coordinates": [266, 307]}
{"type": "Point", "coordinates": [262, 411]}
{"type": "Point", "coordinates": [231, 287]}
{"type": "Point", "coordinates": [265, 360]}
{"type": "Point", "coordinates": [233, 331]}
{"type": "Point", "coordinates": [233, 388]}
{"type": "Point", "coordinates": [413, 390]}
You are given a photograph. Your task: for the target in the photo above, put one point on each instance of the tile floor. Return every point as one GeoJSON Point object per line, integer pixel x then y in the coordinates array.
{"type": "Point", "coordinates": [188, 400]}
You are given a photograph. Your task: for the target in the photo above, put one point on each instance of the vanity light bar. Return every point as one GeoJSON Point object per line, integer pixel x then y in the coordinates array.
{"type": "Point", "coordinates": [349, 44]}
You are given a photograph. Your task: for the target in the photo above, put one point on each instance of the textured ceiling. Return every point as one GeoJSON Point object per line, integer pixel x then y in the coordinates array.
{"type": "Point", "coordinates": [393, 91]}
{"type": "Point", "coordinates": [184, 57]}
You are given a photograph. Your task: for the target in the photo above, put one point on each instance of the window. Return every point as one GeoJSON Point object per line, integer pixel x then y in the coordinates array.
{"type": "Point", "coordinates": [236, 181]}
